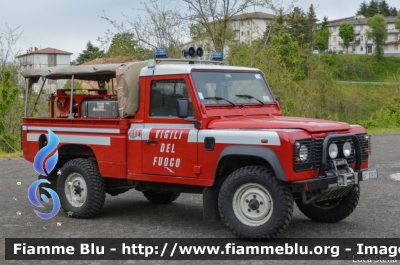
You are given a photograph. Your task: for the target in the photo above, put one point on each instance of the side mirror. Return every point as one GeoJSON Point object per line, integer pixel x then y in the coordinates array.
{"type": "Point", "coordinates": [182, 107]}
{"type": "Point", "coordinates": [279, 100]}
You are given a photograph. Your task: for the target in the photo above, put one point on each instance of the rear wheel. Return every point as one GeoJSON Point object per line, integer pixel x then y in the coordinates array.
{"type": "Point", "coordinates": [81, 188]}
{"type": "Point", "coordinates": [159, 196]}
{"type": "Point", "coordinates": [333, 210]}
{"type": "Point", "coordinates": [254, 204]}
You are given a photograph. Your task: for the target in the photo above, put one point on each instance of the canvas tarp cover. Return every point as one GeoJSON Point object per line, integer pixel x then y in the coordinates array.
{"type": "Point", "coordinates": [127, 75]}
{"type": "Point", "coordinates": [98, 72]}
{"type": "Point", "coordinates": [128, 88]}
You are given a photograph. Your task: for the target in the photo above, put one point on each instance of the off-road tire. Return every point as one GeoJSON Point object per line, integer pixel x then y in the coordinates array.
{"type": "Point", "coordinates": [87, 172]}
{"type": "Point", "coordinates": [260, 182]}
{"type": "Point", "coordinates": [161, 197]}
{"type": "Point", "coordinates": [332, 214]}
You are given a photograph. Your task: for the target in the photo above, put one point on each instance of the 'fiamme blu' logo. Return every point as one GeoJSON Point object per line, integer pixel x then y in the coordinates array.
{"type": "Point", "coordinates": [44, 162]}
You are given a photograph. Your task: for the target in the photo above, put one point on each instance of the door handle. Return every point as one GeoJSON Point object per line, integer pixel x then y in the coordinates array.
{"type": "Point", "coordinates": [151, 141]}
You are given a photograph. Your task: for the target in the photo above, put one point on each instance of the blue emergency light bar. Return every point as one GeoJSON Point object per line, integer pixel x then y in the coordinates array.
{"type": "Point", "coordinates": [161, 53]}
{"type": "Point", "coordinates": [216, 56]}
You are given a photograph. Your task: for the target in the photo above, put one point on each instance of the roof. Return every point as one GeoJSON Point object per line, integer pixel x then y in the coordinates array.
{"type": "Point", "coordinates": [253, 15]}
{"type": "Point", "coordinates": [357, 21]}
{"type": "Point", "coordinates": [176, 69]}
{"type": "Point", "coordinates": [46, 51]}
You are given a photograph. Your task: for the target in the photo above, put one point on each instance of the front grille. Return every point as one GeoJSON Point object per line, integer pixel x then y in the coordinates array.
{"type": "Point", "coordinates": [350, 160]}
{"type": "Point", "coordinates": [315, 152]}
{"type": "Point", "coordinates": [339, 143]}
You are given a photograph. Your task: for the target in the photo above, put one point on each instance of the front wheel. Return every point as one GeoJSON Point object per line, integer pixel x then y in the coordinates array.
{"type": "Point", "coordinates": [254, 204]}
{"type": "Point", "coordinates": [81, 188]}
{"type": "Point", "coordinates": [333, 210]}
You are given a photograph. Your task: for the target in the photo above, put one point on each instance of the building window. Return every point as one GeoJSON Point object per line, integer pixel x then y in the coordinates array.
{"type": "Point", "coordinates": [234, 24]}
{"type": "Point", "coordinates": [334, 39]}
{"type": "Point", "coordinates": [361, 28]}
{"type": "Point", "coordinates": [334, 29]}
{"type": "Point", "coordinates": [369, 49]}
{"type": "Point", "coordinates": [396, 47]}
{"type": "Point", "coordinates": [248, 33]}
{"type": "Point", "coordinates": [361, 48]}
{"type": "Point", "coordinates": [396, 37]}
{"type": "Point", "coordinates": [248, 22]}
{"type": "Point", "coordinates": [52, 60]}
{"type": "Point", "coordinates": [362, 38]}
{"type": "Point", "coordinates": [385, 47]}
{"type": "Point", "coordinates": [242, 33]}
{"type": "Point", "coordinates": [241, 22]}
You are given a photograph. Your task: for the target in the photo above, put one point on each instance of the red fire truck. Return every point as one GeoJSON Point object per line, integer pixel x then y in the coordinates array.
{"type": "Point", "coordinates": [170, 126]}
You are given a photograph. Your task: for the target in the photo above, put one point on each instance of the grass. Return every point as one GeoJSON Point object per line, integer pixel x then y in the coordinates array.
{"type": "Point", "coordinates": [10, 156]}
{"type": "Point", "coordinates": [364, 68]}
{"type": "Point", "coordinates": [377, 131]}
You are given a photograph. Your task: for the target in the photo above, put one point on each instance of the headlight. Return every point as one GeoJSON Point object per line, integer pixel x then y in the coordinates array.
{"type": "Point", "coordinates": [303, 154]}
{"type": "Point", "coordinates": [333, 150]}
{"type": "Point", "coordinates": [347, 149]}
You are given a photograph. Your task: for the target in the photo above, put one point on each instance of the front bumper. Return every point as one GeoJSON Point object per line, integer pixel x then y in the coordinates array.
{"type": "Point", "coordinates": [341, 180]}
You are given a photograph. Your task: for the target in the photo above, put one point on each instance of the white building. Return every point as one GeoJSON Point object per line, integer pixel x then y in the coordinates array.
{"type": "Point", "coordinates": [361, 44]}
{"type": "Point", "coordinates": [35, 58]}
{"type": "Point", "coordinates": [246, 27]}
{"type": "Point", "coordinates": [250, 26]}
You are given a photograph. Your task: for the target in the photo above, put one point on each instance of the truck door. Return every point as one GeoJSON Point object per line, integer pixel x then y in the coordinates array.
{"type": "Point", "coordinates": [169, 143]}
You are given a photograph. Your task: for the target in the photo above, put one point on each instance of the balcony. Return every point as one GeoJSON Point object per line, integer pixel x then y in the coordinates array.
{"type": "Point", "coordinates": [392, 30]}
{"type": "Point", "coordinates": [392, 42]}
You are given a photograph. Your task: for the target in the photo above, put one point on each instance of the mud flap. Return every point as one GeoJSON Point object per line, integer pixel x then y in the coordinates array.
{"type": "Point", "coordinates": [210, 204]}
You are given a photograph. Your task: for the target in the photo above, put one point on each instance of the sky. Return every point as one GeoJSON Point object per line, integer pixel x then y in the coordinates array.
{"type": "Point", "coordinates": [69, 25]}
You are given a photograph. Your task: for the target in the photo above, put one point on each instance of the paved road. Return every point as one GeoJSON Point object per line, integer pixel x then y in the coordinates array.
{"type": "Point", "coordinates": [130, 215]}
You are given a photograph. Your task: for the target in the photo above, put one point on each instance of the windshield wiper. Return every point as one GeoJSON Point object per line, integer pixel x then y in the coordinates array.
{"type": "Point", "coordinates": [249, 96]}
{"type": "Point", "coordinates": [219, 98]}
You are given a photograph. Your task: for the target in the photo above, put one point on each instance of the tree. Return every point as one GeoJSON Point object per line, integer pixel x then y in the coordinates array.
{"type": "Point", "coordinates": [77, 84]}
{"type": "Point", "coordinates": [297, 23]}
{"type": "Point", "coordinates": [346, 32]}
{"type": "Point", "coordinates": [311, 24]}
{"type": "Point", "coordinates": [122, 44]}
{"type": "Point", "coordinates": [162, 26]}
{"type": "Point", "coordinates": [377, 33]}
{"type": "Point", "coordinates": [321, 36]}
{"type": "Point", "coordinates": [8, 94]}
{"type": "Point", "coordinates": [92, 52]}
{"type": "Point", "coordinates": [397, 23]}
{"type": "Point", "coordinates": [384, 8]}
{"type": "Point", "coordinates": [373, 8]}
{"type": "Point", "coordinates": [393, 11]}
{"type": "Point", "coordinates": [215, 17]}
{"type": "Point", "coordinates": [8, 51]}
{"type": "Point", "coordinates": [363, 9]}
{"type": "Point", "coordinates": [325, 22]}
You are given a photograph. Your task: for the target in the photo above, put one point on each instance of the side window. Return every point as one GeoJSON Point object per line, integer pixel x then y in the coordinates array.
{"type": "Point", "coordinates": [164, 95]}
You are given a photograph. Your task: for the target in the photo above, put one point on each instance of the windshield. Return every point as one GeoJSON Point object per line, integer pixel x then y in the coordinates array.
{"type": "Point", "coordinates": [231, 88]}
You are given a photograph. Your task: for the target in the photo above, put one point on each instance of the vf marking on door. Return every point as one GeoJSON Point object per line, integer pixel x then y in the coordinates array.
{"type": "Point", "coordinates": [167, 148]}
